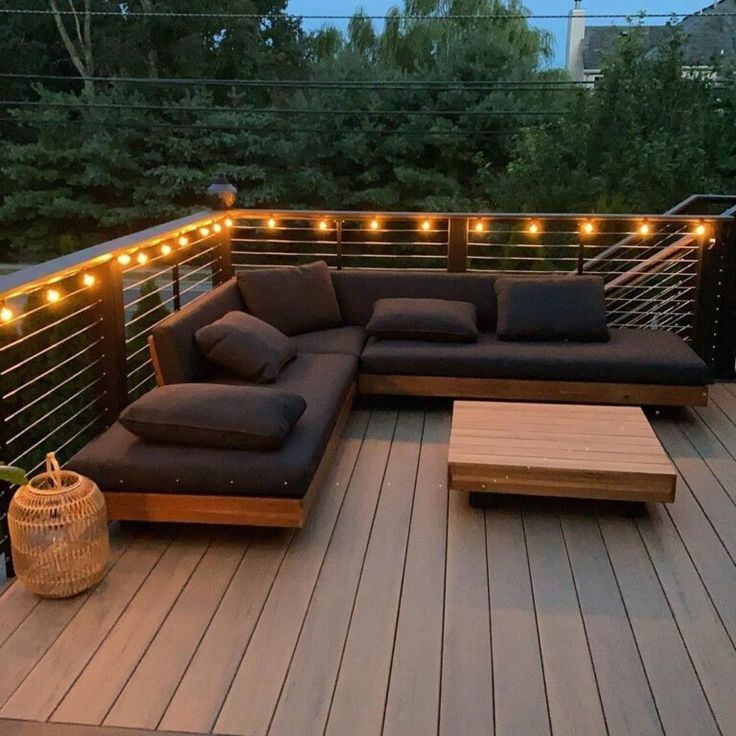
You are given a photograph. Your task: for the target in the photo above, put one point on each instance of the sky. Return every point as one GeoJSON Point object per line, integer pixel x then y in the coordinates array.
{"type": "Point", "coordinates": [547, 7]}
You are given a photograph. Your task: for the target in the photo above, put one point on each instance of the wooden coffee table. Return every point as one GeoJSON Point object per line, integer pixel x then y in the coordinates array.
{"type": "Point", "coordinates": [574, 451]}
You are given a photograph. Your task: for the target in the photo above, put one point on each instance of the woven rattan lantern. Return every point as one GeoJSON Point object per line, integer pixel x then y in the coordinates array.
{"type": "Point", "coordinates": [58, 533]}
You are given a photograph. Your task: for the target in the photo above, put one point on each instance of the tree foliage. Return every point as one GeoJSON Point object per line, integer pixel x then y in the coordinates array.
{"type": "Point", "coordinates": [94, 160]}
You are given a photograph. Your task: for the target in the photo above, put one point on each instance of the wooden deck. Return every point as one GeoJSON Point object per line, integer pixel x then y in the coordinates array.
{"type": "Point", "coordinates": [400, 610]}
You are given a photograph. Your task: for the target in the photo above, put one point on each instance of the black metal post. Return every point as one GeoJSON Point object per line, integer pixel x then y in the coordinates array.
{"type": "Point", "coordinates": [338, 244]}
{"type": "Point", "coordinates": [225, 257]}
{"type": "Point", "coordinates": [714, 333]}
{"type": "Point", "coordinates": [5, 496]}
{"type": "Point", "coordinates": [457, 245]}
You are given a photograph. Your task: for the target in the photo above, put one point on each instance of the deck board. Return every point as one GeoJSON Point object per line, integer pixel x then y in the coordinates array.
{"type": "Point", "coordinates": [401, 610]}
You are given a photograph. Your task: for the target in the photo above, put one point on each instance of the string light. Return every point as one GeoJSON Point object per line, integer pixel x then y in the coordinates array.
{"type": "Point", "coordinates": [375, 224]}
{"type": "Point", "coordinates": [479, 226]}
{"type": "Point", "coordinates": [142, 258]}
{"type": "Point", "coordinates": [533, 228]}
{"type": "Point", "coordinates": [165, 249]}
{"type": "Point", "coordinates": [644, 229]}
{"type": "Point", "coordinates": [124, 260]}
{"type": "Point", "coordinates": [323, 225]}
{"type": "Point", "coordinates": [53, 295]}
{"type": "Point", "coordinates": [700, 230]}
{"type": "Point", "coordinates": [217, 227]}
{"type": "Point", "coordinates": [88, 280]}
{"type": "Point", "coordinates": [6, 314]}
{"type": "Point", "coordinates": [271, 223]}
{"type": "Point", "coordinates": [204, 231]}
{"type": "Point", "coordinates": [228, 222]}
{"type": "Point", "coordinates": [183, 240]}
{"type": "Point", "coordinates": [426, 226]}
{"type": "Point", "coordinates": [588, 228]}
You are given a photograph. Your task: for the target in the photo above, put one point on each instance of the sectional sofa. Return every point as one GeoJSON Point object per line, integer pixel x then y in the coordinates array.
{"type": "Point", "coordinates": [165, 481]}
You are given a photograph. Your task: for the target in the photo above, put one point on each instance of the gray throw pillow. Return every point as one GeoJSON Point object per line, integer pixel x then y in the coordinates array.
{"type": "Point", "coordinates": [435, 320]}
{"type": "Point", "coordinates": [246, 346]}
{"type": "Point", "coordinates": [552, 308]}
{"type": "Point", "coordinates": [295, 299]}
{"type": "Point", "coordinates": [215, 415]}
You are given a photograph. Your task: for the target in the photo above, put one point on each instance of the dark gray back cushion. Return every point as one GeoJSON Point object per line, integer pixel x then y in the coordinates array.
{"type": "Point", "coordinates": [294, 299]}
{"type": "Point", "coordinates": [434, 320]}
{"type": "Point", "coordinates": [247, 346]}
{"type": "Point", "coordinates": [552, 308]}
{"type": "Point", "coordinates": [357, 291]}
{"type": "Point", "coordinates": [180, 360]}
{"type": "Point", "coordinates": [215, 415]}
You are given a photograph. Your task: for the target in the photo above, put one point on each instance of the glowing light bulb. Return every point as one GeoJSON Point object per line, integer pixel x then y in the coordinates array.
{"type": "Point", "coordinates": [644, 229]}
{"type": "Point", "coordinates": [124, 259]}
{"type": "Point", "coordinates": [271, 223]}
{"type": "Point", "coordinates": [479, 226]}
{"type": "Point", "coordinates": [6, 314]}
{"type": "Point", "coordinates": [700, 230]}
{"type": "Point", "coordinates": [375, 224]}
{"type": "Point", "coordinates": [323, 225]}
{"type": "Point", "coordinates": [588, 228]}
{"type": "Point", "coordinates": [217, 227]}
{"type": "Point", "coordinates": [88, 280]}
{"type": "Point", "coordinates": [228, 222]}
{"type": "Point", "coordinates": [183, 240]}
{"type": "Point", "coordinates": [426, 225]}
{"type": "Point", "coordinates": [204, 231]}
{"type": "Point", "coordinates": [165, 249]}
{"type": "Point", "coordinates": [53, 295]}
{"type": "Point", "coordinates": [533, 228]}
{"type": "Point", "coordinates": [142, 258]}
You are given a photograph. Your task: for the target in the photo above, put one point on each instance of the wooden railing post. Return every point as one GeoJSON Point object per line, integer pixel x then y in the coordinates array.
{"type": "Point", "coordinates": [115, 379]}
{"type": "Point", "coordinates": [457, 245]}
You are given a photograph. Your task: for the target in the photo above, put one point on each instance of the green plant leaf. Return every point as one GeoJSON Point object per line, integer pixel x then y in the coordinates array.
{"type": "Point", "coordinates": [10, 474]}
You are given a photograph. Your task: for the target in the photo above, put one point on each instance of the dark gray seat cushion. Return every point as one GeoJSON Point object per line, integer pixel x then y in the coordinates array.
{"type": "Point", "coordinates": [440, 320]}
{"type": "Point", "coordinates": [120, 461]}
{"type": "Point", "coordinates": [180, 360]}
{"type": "Point", "coordinates": [247, 346]}
{"type": "Point", "coordinates": [294, 299]}
{"type": "Point", "coordinates": [551, 308]}
{"type": "Point", "coordinates": [630, 356]}
{"type": "Point", "coordinates": [358, 290]}
{"type": "Point", "coordinates": [213, 415]}
{"type": "Point", "coordinates": [343, 340]}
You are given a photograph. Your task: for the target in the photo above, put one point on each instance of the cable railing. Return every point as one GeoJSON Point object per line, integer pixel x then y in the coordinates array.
{"type": "Point", "coordinates": [74, 330]}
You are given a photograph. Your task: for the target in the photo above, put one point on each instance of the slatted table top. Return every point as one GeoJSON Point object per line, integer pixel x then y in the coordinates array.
{"type": "Point", "coordinates": [606, 452]}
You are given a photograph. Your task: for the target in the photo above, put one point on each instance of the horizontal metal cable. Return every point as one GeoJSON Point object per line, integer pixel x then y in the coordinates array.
{"type": "Point", "coordinates": [146, 330]}
{"type": "Point", "coordinates": [155, 307]}
{"type": "Point", "coordinates": [142, 383]}
{"type": "Point", "coordinates": [145, 279]}
{"type": "Point", "coordinates": [192, 287]}
{"type": "Point", "coordinates": [146, 364]}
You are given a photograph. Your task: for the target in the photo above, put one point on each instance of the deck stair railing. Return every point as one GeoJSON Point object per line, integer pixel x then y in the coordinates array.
{"type": "Point", "coordinates": [73, 330]}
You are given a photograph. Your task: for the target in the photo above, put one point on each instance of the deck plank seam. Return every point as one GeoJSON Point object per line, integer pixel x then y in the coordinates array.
{"type": "Point", "coordinates": [155, 635]}
{"type": "Point", "coordinates": [203, 634]}
{"type": "Point", "coordinates": [362, 567]}
{"type": "Point", "coordinates": [127, 544]}
{"type": "Point", "coordinates": [631, 626]}
{"type": "Point", "coordinates": [679, 629]}
{"type": "Point", "coordinates": [536, 621]}
{"type": "Point", "coordinates": [112, 626]}
{"type": "Point", "coordinates": [321, 566]}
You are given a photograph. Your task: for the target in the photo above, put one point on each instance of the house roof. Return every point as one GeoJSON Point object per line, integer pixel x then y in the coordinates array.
{"type": "Point", "coordinates": [708, 37]}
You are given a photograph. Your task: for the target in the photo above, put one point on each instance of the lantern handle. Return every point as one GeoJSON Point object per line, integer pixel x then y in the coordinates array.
{"type": "Point", "coordinates": [53, 469]}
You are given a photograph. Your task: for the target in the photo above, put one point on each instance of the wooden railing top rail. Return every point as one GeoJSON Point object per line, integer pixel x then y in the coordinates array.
{"type": "Point", "coordinates": [44, 273]}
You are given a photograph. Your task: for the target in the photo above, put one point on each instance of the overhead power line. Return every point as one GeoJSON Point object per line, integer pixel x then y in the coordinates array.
{"type": "Point", "coordinates": [127, 14]}
{"type": "Point", "coordinates": [264, 110]}
{"type": "Point", "coordinates": [313, 83]}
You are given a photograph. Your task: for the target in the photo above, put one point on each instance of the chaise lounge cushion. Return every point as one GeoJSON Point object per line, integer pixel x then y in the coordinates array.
{"type": "Point", "coordinates": [120, 461]}
{"type": "Point", "coordinates": [294, 299]}
{"type": "Point", "coordinates": [247, 346]}
{"type": "Point", "coordinates": [213, 415]}
{"type": "Point", "coordinates": [440, 320]}
{"type": "Point", "coordinates": [343, 340]}
{"type": "Point", "coordinates": [552, 309]}
{"type": "Point", "coordinates": [631, 356]}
